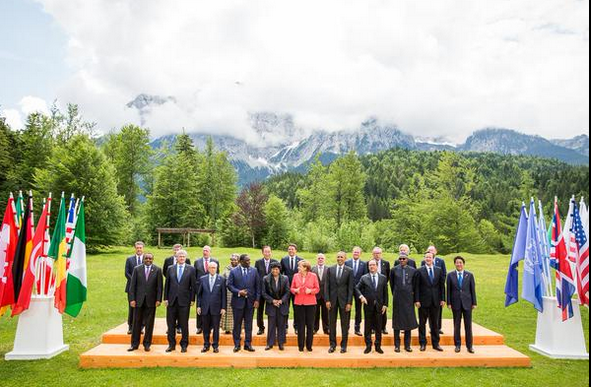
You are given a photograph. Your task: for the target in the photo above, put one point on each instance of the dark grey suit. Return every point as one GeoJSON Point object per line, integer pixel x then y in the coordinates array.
{"type": "Point", "coordinates": [145, 293]}
{"type": "Point", "coordinates": [180, 293]}
{"type": "Point", "coordinates": [321, 310]}
{"type": "Point", "coordinates": [377, 297]}
{"type": "Point", "coordinates": [130, 264]}
{"type": "Point", "coordinates": [462, 299]}
{"type": "Point", "coordinates": [431, 293]}
{"type": "Point", "coordinates": [339, 292]}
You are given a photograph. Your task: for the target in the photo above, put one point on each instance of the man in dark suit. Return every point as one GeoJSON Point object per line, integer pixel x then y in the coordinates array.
{"type": "Point", "coordinates": [145, 293]}
{"type": "Point", "coordinates": [321, 272]}
{"type": "Point", "coordinates": [440, 263]}
{"type": "Point", "coordinates": [201, 269]}
{"type": "Point", "coordinates": [431, 290]}
{"type": "Point", "coordinates": [338, 293]}
{"type": "Point", "coordinates": [405, 250]}
{"type": "Point", "coordinates": [372, 290]}
{"type": "Point", "coordinates": [263, 266]}
{"type": "Point", "coordinates": [359, 270]}
{"type": "Point", "coordinates": [211, 306]}
{"type": "Point", "coordinates": [130, 264]}
{"type": "Point", "coordinates": [276, 291]}
{"type": "Point", "coordinates": [245, 285]}
{"type": "Point", "coordinates": [383, 269]}
{"type": "Point", "coordinates": [179, 297]}
{"type": "Point", "coordinates": [461, 299]}
{"type": "Point", "coordinates": [171, 261]}
{"type": "Point", "coordinates": [289, 267]}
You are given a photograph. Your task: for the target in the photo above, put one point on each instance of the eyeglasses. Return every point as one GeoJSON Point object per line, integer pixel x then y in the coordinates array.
{"type": "Point", "coordinates": [402, 259]}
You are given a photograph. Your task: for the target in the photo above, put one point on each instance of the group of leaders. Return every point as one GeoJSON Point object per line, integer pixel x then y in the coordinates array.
{"type": "Point", "coordinates": [317, 294]}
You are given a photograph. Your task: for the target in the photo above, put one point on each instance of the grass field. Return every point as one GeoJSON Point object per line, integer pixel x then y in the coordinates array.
{"type": "Point", "coordinates": [107, 308]}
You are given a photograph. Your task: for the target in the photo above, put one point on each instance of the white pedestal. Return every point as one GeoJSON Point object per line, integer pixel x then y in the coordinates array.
{"type": "Point", "coordinates": [557, 339]}
{"type": "Point", "coordinates": [39, 334]}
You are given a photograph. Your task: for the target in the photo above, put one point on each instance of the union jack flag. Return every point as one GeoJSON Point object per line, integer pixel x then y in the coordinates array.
{"type": "Point", "coordinates": [582, 264]}
{"type": "Point", "coordinates": [565, 281]}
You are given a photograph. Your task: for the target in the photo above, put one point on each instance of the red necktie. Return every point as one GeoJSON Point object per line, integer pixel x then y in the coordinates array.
{"type": "Point", "coordinates": [207, 265]}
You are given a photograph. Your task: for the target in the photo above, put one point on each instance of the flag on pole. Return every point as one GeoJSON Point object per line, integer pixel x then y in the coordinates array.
{"type": "Point", "coordinates": [57, 251]}
{"type": "Point", "coordinates": [22, 253]}
{"type": "Point", "coordinates": [518, 254]}
{"type": "Point", "coordinates": [582, 265]}
{"type": "Point", "coordinates": [565, 284]}
{"type": "Point", "coordinates": [545, 248]}
{"type": "Point", "coordinates": [20, 209]}
{"type": "Point", "coordinates": [532, 271]}
{"type": "Point", "coordinates": [8, 241]}
{"type": "Point", "coordinates": [71, 222]}
{"type": "Point", "coordinates": [76, 284]}
{"type": "Point", "coordinates": [30, 268]}
{"type": "Point", "coordinates": [569, 236]}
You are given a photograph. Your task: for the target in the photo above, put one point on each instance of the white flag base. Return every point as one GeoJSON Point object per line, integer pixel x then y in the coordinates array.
{"type": "Point", "coordinates": [39, 333]}
{"type": "Point", "coordinates": [557, 339]}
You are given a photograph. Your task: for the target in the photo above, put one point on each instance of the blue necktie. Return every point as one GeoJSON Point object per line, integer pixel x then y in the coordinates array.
{"type": "Point", "coordinates": [180, 274]}
{"type": "Point", "coordinates": [460, 279]}
{"type": "Point", "coordinates": [375, 283]}
{"type": "Point", "coordinates": [431, 274]}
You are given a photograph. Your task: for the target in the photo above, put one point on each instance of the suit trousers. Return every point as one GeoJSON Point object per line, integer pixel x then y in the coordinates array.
{"type": "Point", "coordinates": [295, 312]}
{"type": "Point", "coordinates": [358, 314]}
{"type": "Point", "coordinates": [261, 313]}
{"type": "Point", "coordinates": [277, 332]}
{"type": "Point", "coordinates": [243, 316]}
{"type": "Point", "coordinates": [407, 339]}
{"type": "Point", "coordinates": [305, 319]}
{"type": "Point", "coordinates": [199, 322]}
{"type": "Point", "coordinates": [345, 324]}
{"type": "Point", "coordinates": [321, 311]}
{"type": "Point", "coordinates": [373, 322]}
{"type": "Point", "coordinates": [180, 314]}
{"type": "Point", "coordinates": [143, 315]}
{"type": "Point", "coordinates": [467, 315]}
{"type": "Point", "coordinates": [211, 322]}
{"type": "Point", "coordinates": [430, 314]}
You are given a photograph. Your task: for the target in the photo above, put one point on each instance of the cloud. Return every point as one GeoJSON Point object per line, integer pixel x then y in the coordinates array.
{"type": "Point", "coordinates": [27, 105]}
{"type": "Point", "coordinates": [440, 68]}
{"type": "Point", "coordinates": [13, 118]}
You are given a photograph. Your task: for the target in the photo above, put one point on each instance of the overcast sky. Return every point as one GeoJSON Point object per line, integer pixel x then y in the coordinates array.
{"type": "Point", "coordinates": [434, 68]}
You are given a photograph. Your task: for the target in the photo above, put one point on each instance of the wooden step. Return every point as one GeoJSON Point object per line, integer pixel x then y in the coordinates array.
{"type": "Point", "coordinates": [482, 336]}
{"type": "Point", "coordinates": [116, 356]}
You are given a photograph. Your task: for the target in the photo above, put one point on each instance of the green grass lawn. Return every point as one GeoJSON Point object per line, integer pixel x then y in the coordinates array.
{"type": "Point", "coordinates": [107, 308]}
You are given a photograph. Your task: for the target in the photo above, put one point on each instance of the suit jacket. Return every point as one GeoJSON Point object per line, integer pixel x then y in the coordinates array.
{"type": "Point", "coordinates": [431, 293]}
{"type": "Point", "coordinates": [464, 297]}
{"type": "Point", "coordinates": [411, 262]}
{"type": "Point", "coordinates": [144, 291]}
{"type": "Point", "coordinates": [130, 264]}
{"type": "Point", "coordinates": [260, 266]}
{"type": "Point", "coordinates": [384, 269]}
{"type": "Point", "coordinates": [440, 263]}
{"type": "Point", "coordinates": [286, 268]}
{"type": "Point", "coordinates": [321, 281]}
{"type": "Point", "coordinates": [339, 292]}
{"type": "Point", "coordinates": [168, 262]}
{"type": "Point", "coordinates": [212, 301]}
{"type": "Point", "coordinates": [271, 294]}
{"type": "Point", "coordinates": [361, 270]}
{"type": "Point", "coordinates": [180, 293]}
{"type": "Point", "coordinates": [200, 267]}
{"type": "Point", "coordinates": [376, 298]}
{"type": "Point", "coordinates": [237, 282]}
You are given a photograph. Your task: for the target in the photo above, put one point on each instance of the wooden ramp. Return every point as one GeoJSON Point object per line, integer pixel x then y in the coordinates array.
{"type": "Point", "coordinates": [112, 353]}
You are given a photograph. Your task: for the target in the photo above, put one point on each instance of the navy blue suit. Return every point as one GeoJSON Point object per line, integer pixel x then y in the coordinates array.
{"type": "Point", "coordinates": [289, 271]}
{"type": "Point", "coordinates": [243, 307]}
{"type": "Point", "coordinates": [440, 263]}
{"type": "Point", "coordinates": [362, 270]}
{"type": "Point", "coordinates": [200, 270]}
{"type": "Point", "coordinates": [130, 264]}
{"type": "Point", "coordinates": [211, 302]}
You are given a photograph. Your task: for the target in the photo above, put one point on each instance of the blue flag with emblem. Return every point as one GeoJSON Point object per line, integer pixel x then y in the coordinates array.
{"type": "Point", "coordinates": [512, 283]}
{"type": "Point", "coordinates": [533, 286]}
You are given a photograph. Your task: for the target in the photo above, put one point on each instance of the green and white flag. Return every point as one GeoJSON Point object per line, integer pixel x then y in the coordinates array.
{"type": "Point", "coordinates": [76, 287]}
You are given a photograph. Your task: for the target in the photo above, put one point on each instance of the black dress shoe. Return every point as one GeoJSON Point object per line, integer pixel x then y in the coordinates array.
{"type": "Point", "coordinates": [184, 350]}
{"type": "Point", "coordinates": [216, 350]}
{"type": "Point", "coordinates": [438, 348]}
{"type": "Point", "coordinates": [147, 348]}
{"type": "Point", "coordinates": [343, 350]}
{"type": "Point", "coordinates": [129, 332]}
{"type": "Point", "coordinates": [384, 332]}
{"type": "Point", "coordinates": [397, 349]}
{"type": "Point", "coordinates": [199, 331]}
{"type": "Point", "coordinates": [409, 349]}
{"type": "Point", "coordinates": [471, 350]}
{"type": "Point", "coordinates": [261, 332]}
{"type": "Point", "coordinates": [440, 332]}
{"type": "Point", "coordinates": [367, 351]}
{"type": "Point", "coordinates": [205, 350]}
{"type": "Point", "coordinates": [423, 348]}
{"type": "Point", "coordinates": [458, 349]}
{"type": "Point", "coordinates": [310, 349]}
{"type": "Point", "coordinates": [179, 331]}
{"type": "Point", "coordinates": [379, 350]}
{"type": "Point", "coordinates": [331, 350]}
{"type": "Point", "coordinates": [358, 333]}
{"type": "Point", "coordinates": [170, 349]}
{"type": "Point", "coordinates": [301, 349]}
{"type": "Point", "coordinates": [249, 349]}
{"type": "Point", "coordinates": [131, 349]}
{"type": "Point", "coordinates": [268, 347]}
{"type": "Point", "coordinates": [236, 349]}
{"type": "Point", "coordinates": [281, 347]}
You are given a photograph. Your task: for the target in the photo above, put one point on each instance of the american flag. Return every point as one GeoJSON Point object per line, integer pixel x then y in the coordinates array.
{"type": "Point", "coordinates": [565, 282]}
{"type": "Point", "coordinates": [582, 263]}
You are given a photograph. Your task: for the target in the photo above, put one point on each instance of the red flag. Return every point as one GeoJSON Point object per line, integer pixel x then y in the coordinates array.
{"type": "Point", "coordinates": [23, 285]}
{"type": "Point", "coordinates": [8, 241]}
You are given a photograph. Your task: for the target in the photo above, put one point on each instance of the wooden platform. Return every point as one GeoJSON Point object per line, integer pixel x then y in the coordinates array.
{"type": "Point", "coordinates": [112, 353]}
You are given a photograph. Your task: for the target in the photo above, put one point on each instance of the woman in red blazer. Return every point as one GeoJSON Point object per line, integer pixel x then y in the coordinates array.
{"type": "Point", "coordinates": [305, 287]}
